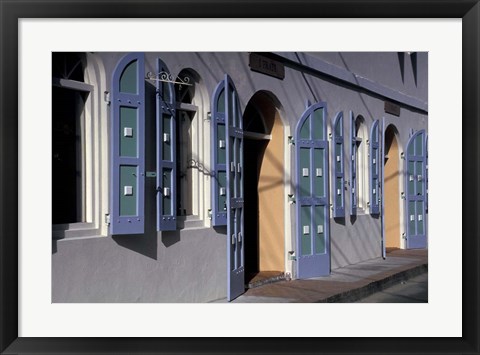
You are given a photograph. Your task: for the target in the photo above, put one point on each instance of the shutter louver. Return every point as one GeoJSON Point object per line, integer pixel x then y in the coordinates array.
{"type": "Point", "coordinates": [353, 166]}
{"type": "Point", "coordinates": [338, 168]}
{"type": "Point", "coordinates": [374, 166]}
{"type": "Point", "coordinates": [166, 153]}
{"type": "Point", "coordinates": [219, 156]}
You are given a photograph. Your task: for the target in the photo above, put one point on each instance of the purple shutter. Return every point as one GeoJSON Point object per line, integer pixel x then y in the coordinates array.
{"type": "Point", "coordinates": [166, 151]}
{"type": "Point", "coordinates": [374, 165]}
{"type": "Point", "coordinates": [219, 156]}
{"type": "Point", "coordinates": [426, 174]}
{"type": "Point", "coordinates": [127, 194]}
{"type": "Point", "coordinates": [415, 187]}
{"type": "Point", "coordinates": [353, 166]}
{"type": "Point", "coordinates": [235, 193]}
{"type": "Point", "coordinates": [338, 168]}
{"type": "Point", "coordinates": [312, 191]}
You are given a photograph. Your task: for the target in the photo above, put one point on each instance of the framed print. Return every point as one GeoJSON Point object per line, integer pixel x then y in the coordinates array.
{"type": "Point", "coordinates": [44, 309]}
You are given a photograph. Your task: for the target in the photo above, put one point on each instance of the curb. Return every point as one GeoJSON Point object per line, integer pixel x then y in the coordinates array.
{"type": "Point", "coordinates": [375, 286]}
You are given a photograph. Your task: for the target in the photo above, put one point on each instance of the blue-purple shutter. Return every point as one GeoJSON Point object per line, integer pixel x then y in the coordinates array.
{"type": "Point", "coordinates": [426, 174]}
{"type": "Point", "coordinates": [127, 194]}
{"type": "Point", "coordinates": [312, 191]}
{"type": "Point", "coordinates": [374, 165]}
{"type": "Point", "coordinates": [353, 166]}
{"type": "Point", "coordinates": [235, 192]}
{"type": "Point", "coordinates": [166, 152]}
{"type": "Point", "coordinates": [219, 156]}
{"type": "Point", "coordinates": [338, 168]}
{"type": "Point", "coordinates": [415, 181]}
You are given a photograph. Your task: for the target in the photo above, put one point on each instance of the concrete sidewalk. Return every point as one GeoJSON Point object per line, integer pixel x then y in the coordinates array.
{"type": "Point", "coordinates": [346, 284]}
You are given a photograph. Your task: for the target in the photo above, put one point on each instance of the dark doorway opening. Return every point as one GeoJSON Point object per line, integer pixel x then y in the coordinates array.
{"type": "Point", "coordinates": [253, 155]}
{"type": "Point", "coordinates": [68, 165]}
{"type": "Point", "coordinates": [264, 191]}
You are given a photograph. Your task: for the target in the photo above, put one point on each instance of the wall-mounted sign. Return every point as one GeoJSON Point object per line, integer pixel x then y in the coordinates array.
{"type": "Point", "coordinates": [266, 66]}
{"type": "Point", "coordinates": [392, 108]}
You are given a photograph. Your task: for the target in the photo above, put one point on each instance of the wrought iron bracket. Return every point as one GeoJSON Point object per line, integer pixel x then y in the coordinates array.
{"type": "Point", "coordinates": [167, 78]}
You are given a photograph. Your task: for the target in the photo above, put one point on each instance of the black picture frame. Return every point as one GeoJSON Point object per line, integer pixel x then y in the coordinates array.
{"type": "Point", "coordinates": [11, 11]}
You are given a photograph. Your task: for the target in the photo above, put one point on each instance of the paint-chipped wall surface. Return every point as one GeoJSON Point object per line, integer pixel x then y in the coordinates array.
{"type": "Point", "coordinates": [180, 176]}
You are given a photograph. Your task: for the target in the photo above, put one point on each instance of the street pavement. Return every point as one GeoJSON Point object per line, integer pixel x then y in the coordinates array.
{"type": "Point", "coordinates": [348, 284]}
{"type": "Point", "coordinates": [414, 290]}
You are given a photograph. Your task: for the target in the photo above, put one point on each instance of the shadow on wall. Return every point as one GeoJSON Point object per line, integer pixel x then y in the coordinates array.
{"type": "Point", "coordinates": [221, 230]}
{"type": "Point", "coordinates": [170, 238]}
{"type": "Point", "coordinates": [353, 219]}
{"type": "Point", "coordinates": [401, 64]}
{"type": "Point", "coordinates": [340, 220]}
{"type": "Point", "coordinates": [145, 244]}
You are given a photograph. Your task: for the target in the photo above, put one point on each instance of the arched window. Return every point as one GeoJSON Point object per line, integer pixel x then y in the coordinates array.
{"type": "Point", "coordinates": [187, 161]}
{"type": "Point", "coordinates": [190, 166]}
{"type": "Point", "coordinates": [69, 96]}
{"type": "Point", "coordinates": [77, 205]}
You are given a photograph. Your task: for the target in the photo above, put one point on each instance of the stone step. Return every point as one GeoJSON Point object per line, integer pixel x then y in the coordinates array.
{"type": "Point", "coordinates": [264, 278]}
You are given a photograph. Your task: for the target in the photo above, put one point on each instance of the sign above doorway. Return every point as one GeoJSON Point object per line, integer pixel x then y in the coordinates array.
{"type": "Point", "coordinates": [267, 66]}
{"type": "Point", "coordinates": [392, 108]}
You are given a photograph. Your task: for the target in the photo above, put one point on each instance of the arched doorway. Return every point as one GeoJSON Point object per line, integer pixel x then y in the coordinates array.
{"type": "Point", "coordinates": [391, 189]}
{"type": "Point", "coordinates": [264, 189]}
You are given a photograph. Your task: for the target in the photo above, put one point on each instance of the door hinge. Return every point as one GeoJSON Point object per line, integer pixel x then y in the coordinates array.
{"type": "Point", "coordinates": [107, 219]}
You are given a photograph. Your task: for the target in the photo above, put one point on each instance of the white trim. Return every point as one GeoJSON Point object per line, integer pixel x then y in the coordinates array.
{"type": "Point", "coordinates": [362, 192]}
{"type": "Point", "coordinates": [201, 146]}
{"type": "Point", "coordinates": [72, 84]}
